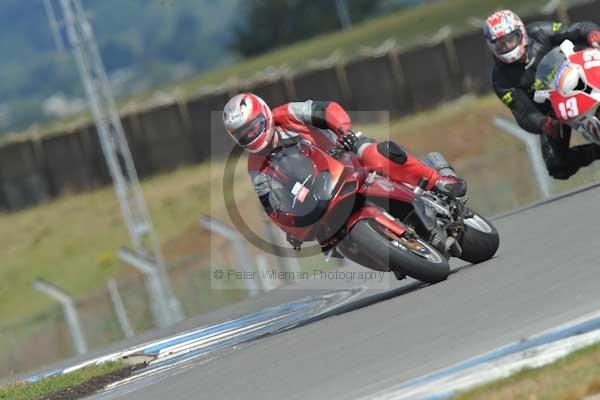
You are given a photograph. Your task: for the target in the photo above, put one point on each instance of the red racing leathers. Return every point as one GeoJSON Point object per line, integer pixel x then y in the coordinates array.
{"type": "Point", "coordinates": [319, 122]}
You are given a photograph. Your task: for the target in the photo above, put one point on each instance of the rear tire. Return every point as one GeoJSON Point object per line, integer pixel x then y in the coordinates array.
{"type": "Point", "coordinates": [368, 245]}
{"type": "Point", "coordinates": [480, 240]}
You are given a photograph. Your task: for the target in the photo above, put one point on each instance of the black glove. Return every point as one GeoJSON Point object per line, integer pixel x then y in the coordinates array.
{"type": "Point", "coordinates": [347, 138]}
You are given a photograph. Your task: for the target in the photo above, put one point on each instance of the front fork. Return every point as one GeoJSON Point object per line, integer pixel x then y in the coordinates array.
{"type": "Point", "coordinates": [428, 211]}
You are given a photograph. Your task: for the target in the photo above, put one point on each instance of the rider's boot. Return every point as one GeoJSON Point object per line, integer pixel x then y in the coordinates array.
{"type": "Point", "coordinates": [451, 186]}
{"type": "Point", "coordinates": [448, 183]}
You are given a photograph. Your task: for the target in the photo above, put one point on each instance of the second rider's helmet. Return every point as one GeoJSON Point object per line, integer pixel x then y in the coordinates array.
{"type": "Point", "coordinates": [506, 36]}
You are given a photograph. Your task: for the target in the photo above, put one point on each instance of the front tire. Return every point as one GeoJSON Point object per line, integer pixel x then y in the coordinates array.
{"type": "Point", "coordinates": [480, 240]}
{"type": "Point", "coordinates": [371, 245]}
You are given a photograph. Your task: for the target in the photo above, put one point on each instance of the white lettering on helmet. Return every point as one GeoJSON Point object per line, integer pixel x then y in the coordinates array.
{"type": "Point", "coordinates": [233, 117]}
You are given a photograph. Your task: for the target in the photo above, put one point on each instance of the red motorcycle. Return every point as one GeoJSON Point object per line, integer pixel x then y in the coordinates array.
{"type": "Point", "coordinates": [330, 197]}
{"type": "Point", "coordinates": [570, 80]}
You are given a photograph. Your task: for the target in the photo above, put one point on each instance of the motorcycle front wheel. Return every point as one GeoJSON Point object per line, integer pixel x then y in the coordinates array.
{"type": "Point", "coordinates": [372, 245]}
{"type": "Point", "coordinates": [479, 241]}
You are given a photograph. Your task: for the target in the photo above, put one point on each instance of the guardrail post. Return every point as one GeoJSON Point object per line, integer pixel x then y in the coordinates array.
{"type": "Point", "coordinates": [533, 150]}
{"type": "Point", "coordinates": [271, 281]}
{"type": "Point", "coordinates": [165, 306]}
{"type": "Point", "coordinates": [117, 302]}
{"type": "Point", "coordinates": [68, 305]}
{"type": "Point", "coordinates": [286, 260]}
{"type": "Point", "coordinates": [239, 248]}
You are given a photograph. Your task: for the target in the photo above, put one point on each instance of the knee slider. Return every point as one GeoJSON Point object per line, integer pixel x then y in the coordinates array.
{"type": "Point", "coordinates": [392, 151]}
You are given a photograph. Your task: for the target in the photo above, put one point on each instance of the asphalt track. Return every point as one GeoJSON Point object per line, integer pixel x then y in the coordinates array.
{"type": "Point", "coordinates": [547, 272]}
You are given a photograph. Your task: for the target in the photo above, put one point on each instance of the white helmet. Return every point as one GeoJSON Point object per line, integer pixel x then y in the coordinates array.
{"type": "Point", "coordinates": [249, 121]}
{"type": "Point", "coordinates": [506, 36]}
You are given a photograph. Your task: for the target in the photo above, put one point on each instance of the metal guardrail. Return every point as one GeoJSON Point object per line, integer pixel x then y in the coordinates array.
{"type": "Point", "coordinates": [165, 306]}
{"type": "Point", "coordinates": [239, 247]}
{"type": "Point", "coordinates": [533, 149]}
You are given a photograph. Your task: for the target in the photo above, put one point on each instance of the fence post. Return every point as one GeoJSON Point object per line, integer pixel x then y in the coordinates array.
{"type": "Point", "coordinates": [399, 78]}
{"type": "Point", "coordinates": [165, 306]}
{"type": "Point", "coordinates": [68, 305]}
{"type": "Point", "coordinates": [290, 88]}
{"type": "Point", "coordinates": [239, 247]}
{"type": "Point", "coordinates": [340, 73]}
{"type": "Point", "coordinates": [287, 260]}
{"type": "Point", "coordinates": [533, 150]}
{"type": "Point", "coordinates": [3, 200]}
{"type": "Point", "coordinates": [117, 302]}
{"type": "Point", "coordinates": [271, 281]}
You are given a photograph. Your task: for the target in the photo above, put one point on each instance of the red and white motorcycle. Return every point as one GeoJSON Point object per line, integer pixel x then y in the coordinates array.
{"type": "Point", "coordinates": [570, 80]}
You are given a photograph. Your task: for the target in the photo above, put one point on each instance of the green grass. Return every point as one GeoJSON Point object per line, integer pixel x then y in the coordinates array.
{"type": "Point", "coordinates": [572, 377]}
{"type": "Point", "coordinates": [45, 387]}
{"type": "Point", "coordinates": [72, 241]}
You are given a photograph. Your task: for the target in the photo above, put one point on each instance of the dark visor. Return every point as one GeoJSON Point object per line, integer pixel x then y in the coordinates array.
{"type": "Point", "coordinates": [248, 132]}
{"type": "Point", "coordinates": [507, 43]}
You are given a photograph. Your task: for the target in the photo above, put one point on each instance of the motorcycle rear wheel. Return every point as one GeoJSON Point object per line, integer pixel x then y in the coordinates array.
{"type": "Point", "coordinates": [413, 256]}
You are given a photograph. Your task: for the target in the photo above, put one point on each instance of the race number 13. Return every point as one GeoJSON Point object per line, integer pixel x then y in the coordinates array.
{"type": "Point", "coordinates": [568, 109]}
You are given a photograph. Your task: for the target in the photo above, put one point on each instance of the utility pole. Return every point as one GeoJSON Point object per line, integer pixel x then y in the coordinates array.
{"type": "Point", "coordinates": [112, 138]}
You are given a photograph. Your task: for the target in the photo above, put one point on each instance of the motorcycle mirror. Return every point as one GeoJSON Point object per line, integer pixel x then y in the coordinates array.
{"type": "Point", "coordinates": [567, 48]}
{"type": "Point", "coordinates": [541, 96]}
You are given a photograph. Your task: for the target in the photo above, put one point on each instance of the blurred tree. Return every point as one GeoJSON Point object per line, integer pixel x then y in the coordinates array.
{"type": "Point", "coordinates": [267, 24]}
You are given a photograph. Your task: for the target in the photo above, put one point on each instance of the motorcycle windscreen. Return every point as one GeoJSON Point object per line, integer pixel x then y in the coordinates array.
{"type": "Point", "coordinates": [297, 188]}
{"type": "Point", "coordinates": [548, 69]}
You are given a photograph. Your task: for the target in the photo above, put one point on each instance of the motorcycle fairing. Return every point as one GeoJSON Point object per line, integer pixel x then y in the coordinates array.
{"type": "Point", "coordinates": [584, 103]}
{"type": "Point", "coordinates": [589, 60]}
{"type": "Point", "coordinates": [384, 187]}
{"type": "Point", "coordinates": [329, 197]}
{"type": "Point", "coordinates": [316, 190]}
{"type": "Point", "coordinates": [379, 215]}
